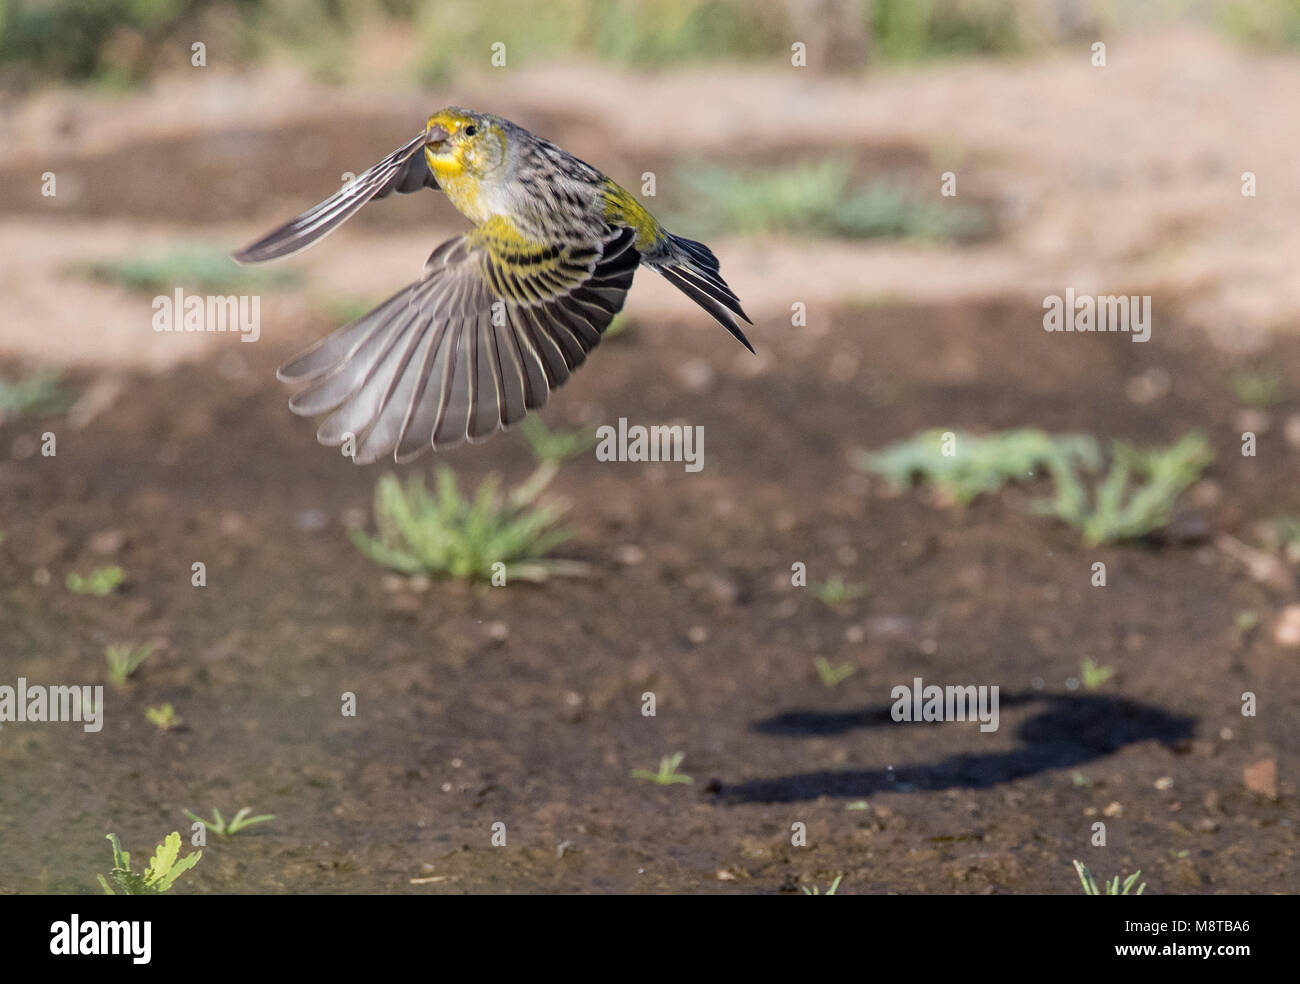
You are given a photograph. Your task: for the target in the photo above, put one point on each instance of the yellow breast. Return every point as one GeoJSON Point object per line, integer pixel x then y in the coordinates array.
{"type": "Point", "coordinates": [460, 187]}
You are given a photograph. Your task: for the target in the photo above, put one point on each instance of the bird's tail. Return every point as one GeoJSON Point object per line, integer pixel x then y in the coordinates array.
{"type": "Point", "coordinates": [692, 268]}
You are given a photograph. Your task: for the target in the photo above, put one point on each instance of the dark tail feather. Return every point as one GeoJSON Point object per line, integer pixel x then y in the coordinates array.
{"type": "Point", "coordinates": [692, 268]}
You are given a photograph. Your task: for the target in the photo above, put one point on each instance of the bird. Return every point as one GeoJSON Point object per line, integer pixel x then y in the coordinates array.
{"type": "Point", "coordinates": [500, 315]}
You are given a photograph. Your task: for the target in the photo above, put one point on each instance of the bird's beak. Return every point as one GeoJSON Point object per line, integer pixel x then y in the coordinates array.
{"type": "Point", "coordinates": [435, 136]}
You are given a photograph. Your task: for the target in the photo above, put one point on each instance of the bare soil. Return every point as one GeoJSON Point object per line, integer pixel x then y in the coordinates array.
{"type": "Point", "coordinates": [523, 704]}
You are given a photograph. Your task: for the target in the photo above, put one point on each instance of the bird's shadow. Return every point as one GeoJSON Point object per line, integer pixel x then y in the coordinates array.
{"type": "Point", "coordinates": [1072, 730]}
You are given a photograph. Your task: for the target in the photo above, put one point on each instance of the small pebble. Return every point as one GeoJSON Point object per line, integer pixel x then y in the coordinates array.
{"type": "Point", "coordinates": [1287, 631]}
{"type": "Point", "coordinates": [629, 555]}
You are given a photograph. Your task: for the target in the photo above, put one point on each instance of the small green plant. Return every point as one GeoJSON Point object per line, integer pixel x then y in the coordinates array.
{"type": "Point", "coordinates": [550, 448]}
{"type": "Point", "coordinates": [1257, 388]}
{"type": "Point", "coordinates": [101, 581]}
{"type": "Point", "coordinates": [819, 198]}
{"type": "Point", "coordinates": [833, 676]}
{"type": "Point", "coordinates": [835, 591]}
{"type": "Point", "coordinates": [1079, 779]}
{"type": "Point", "coordinates": [1245, 622]}
{"type": "Point", "coordinates": [163, 717]}
{"type": "Point", "coordinates": [39, 394]}
{"type": "Point", "coordinates": [191, 267]}
{"type": "Point", "coordinates": [1121, 509]}
{"type": "Point", "coordinates": [555, 445]}
{"type": "Point", "coordinates": [163, 870]}
{"type": "Point", "coordinates": [961, 466]}
{"type": "Point", "coordinates": [420, 532]}
{"type": "Point", "coordinates": [667, 774]}
{"type": "Point", "coordinates": [835, 885]}
{"type": "Point", "coordinates": [123, 660]}
{"type": "Point", "coordinates": [1113, 887]}
{"type": "Point", "coordinates": [219, 826]}
{"type": "Point", "coordinates": [1093, 676]}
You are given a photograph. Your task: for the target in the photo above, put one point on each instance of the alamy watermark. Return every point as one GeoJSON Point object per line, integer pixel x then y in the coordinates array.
{"type": "Point", "coordinates": [921, 702]}
{"type": "Point", "coordinates": [659, 442]}
{"type": "Point", "coordinates": [234, 313]}
{"type": "Point", "coordinates": [1106, 312]}
{"type": "Point", "coordinates": [102, 937]}
{"type": "Point", "coordinates": [36, 703]}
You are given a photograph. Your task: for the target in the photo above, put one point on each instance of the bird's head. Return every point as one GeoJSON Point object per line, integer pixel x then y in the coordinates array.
{"type": "Point", "coordinates": [461, 142]}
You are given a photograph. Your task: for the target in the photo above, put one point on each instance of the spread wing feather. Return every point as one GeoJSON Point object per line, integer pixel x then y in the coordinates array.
{"type": "Point", "coordinates": [404, 171]}
{"type": "Point", "coordinates": [482, 338]}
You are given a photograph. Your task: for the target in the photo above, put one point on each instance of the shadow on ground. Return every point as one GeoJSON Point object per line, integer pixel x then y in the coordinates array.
{"type": "Point", "coordinates": [1074, 730]}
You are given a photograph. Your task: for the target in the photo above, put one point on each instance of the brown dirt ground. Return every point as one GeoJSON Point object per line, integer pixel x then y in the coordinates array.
{"type": "Point", "coordinates": [459, 728]}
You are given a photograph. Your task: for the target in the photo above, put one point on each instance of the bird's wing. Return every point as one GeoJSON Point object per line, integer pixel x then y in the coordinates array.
{"type": "Point", "coordinates": [479, 340]}
{"type": "Point", "coordinates": [404, 170]}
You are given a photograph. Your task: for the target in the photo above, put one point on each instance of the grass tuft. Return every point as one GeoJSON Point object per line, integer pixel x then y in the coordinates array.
{"type": "Point", "coordinates": [222, 827]}
{"type": "Point", "coordinates": [667, 774]}
{"type": "Point", "coordinates": [835, 887]}
{"type": "Point", "coordinates": [445, 533]}
{"type": "Point", "coordinates": [966, 466]}
{"type": "Point", "coordinates": [123, 660]}
{"type": "Point", "coordinates": [193, 267]}
{"type": "Point", "coordinates": [818, 197]}
{"type": "Point", "coordinates": [1113, 887]}
{"type": "Point", "coordinates": [37, 395]}
{"type": "Point", "coordinates": [1136, 497]}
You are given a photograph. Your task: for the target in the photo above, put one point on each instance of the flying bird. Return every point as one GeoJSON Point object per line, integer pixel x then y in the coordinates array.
{"type": "Point", "coordinates": [502, 314]}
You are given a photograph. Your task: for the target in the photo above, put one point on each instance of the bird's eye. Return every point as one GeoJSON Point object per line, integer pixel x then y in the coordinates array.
{"type": "Point", "coordinates": [471, 130]}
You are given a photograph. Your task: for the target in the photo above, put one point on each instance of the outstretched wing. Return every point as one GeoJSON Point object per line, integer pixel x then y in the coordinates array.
{"type": "Point", "coordinates": [404, 170]}
{"type": "Point", "coordinates": [467, 350]}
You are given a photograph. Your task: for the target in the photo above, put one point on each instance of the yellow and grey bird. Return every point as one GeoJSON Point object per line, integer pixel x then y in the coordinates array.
{"type": "Point", "coordinates": [501, 314]}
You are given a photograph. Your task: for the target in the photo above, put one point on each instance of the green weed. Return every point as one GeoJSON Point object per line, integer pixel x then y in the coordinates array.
{"type": "Point", "coordinates": [223, 828]}
{"type": "Point", "coordinates": [37, 395]}
{"type": "Point", "coordinates": [123, 660]}
{"type": "Point", "coordinates": [835, 590]}
{"type": "Point", "coordinates": [820, 198]}
{"type": "Point", "coordinates": [208, 269]}
{"type": "Point", "coordinates": [163, 870]}
{"type": "Point", "coordinates": [163, 717]}
{"type": "Point", "coordinates": [835, 885]}
{"type": "Point", "coordinates": [833, 676]}
{"type": "Point", "coordinates": [1113, 887]}
{"type": "Point", "coordinates": [101, 581]}
{"type": "Point", "coordinates": [555, 445]}
{"type": "Point", "coordinates": [1257, 388]}
{"type": "Point", "coordinates": [961, 466]}
{"type": "Point", "coordinates": [442, 532]}
{"type": "Point", "coordinates": [667, 774]}
{"type": "Point", "coordinates": [1136, 497]}
{"type": "Point", "coordinates": [1093, 676]}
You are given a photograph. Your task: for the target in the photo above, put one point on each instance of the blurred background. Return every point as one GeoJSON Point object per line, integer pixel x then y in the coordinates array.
{"type": "Point", "coordinates": [893, 188]}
